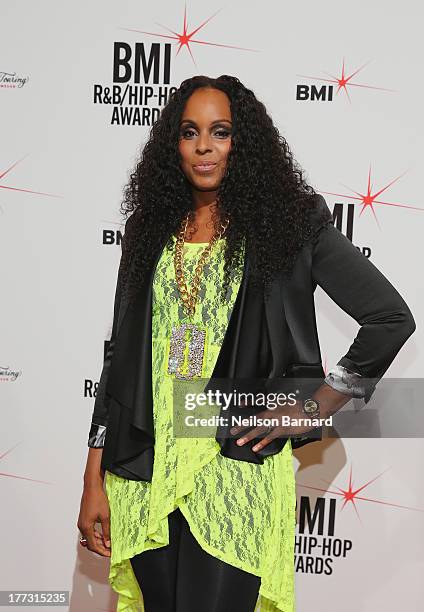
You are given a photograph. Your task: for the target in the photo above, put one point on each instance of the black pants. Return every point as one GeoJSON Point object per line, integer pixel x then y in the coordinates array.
{"type": "Point", "coordinates": [182, 577]}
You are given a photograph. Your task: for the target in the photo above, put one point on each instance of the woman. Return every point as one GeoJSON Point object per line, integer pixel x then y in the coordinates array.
{"type": "Point", "coordinates": [223, 248]}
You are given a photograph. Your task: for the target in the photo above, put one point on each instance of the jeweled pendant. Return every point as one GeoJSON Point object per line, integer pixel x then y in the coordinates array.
{"type": "Point", "coordinates": [185, 363]}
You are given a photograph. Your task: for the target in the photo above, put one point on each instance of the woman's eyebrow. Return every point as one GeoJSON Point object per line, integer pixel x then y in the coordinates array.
{"type": "Point", "coordinates": [213, 122]}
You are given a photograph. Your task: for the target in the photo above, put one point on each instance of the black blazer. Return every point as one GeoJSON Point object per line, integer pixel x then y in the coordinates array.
{"type": "Point", "coordinates": [264, 338]}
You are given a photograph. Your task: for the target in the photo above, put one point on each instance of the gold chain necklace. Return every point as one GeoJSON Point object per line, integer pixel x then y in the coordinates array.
{"type": "Point", "coordinates": [185, 364]}
{"type": "Point", "coordinates": [189, 298]}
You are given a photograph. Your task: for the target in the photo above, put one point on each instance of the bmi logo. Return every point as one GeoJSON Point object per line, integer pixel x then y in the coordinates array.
{"type": "Point", "coordinates": [141, 73]}
{"type": "Point", "coordinates": [316, 550]}
{"type": "Point", "coordinates": [370, 198]}
{"type": "Point", "coordinates": [317, 545]}
{"type": "Point", "coordinates": [334, 84]}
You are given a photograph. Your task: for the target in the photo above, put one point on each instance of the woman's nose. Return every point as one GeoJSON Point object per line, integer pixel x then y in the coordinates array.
{"type": "Point", "coordinates": [203, 142]}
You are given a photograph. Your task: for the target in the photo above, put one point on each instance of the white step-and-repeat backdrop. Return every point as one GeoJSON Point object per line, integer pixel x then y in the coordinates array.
{"type": "Point", "coordinates": [342, 83]}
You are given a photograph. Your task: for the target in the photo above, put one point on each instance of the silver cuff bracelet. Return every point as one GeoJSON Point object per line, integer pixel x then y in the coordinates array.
{"type": "Point", "coordinates": [96, 437]}
{"type": "Point", "coordinates": [346, 381]}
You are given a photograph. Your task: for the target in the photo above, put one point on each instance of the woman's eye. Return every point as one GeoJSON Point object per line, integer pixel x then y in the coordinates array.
{"type": "Point", "coordinates": [223, 132]}
{"type": "Point", "coordinates": [185, 132]}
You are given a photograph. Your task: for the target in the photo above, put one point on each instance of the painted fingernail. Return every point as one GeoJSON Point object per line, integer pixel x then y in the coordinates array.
{"type": "Point", "coordinates": [241, 441]}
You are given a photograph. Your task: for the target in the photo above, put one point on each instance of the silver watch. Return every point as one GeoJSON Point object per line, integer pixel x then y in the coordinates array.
{"type": "Point", "coordinates": [311, 408]}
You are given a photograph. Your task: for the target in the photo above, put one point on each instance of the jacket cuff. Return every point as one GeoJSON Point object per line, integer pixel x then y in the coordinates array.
{"type": "Point", "coordinates": [96, 436]}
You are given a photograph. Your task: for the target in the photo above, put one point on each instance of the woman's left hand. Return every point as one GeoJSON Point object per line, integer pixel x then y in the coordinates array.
{"type": "Point", "coordinates": [295, 428]}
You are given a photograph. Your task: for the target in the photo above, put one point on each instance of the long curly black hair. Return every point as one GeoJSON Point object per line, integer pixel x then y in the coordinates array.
{"type": "Point", "coordinates": [263, 192]}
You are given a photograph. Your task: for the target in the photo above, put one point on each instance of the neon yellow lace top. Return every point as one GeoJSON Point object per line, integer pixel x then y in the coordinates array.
{"type": "Point", "coordinates": [242, 513]}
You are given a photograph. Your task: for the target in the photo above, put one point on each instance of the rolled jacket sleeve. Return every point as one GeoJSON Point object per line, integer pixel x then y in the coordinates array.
{"type": "Point", "coordinates": [362, 291]}
{"type": "Point", "coordinates": [99, 419]}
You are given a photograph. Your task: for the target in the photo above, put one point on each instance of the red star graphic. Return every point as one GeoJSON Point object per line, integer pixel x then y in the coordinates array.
{"type": "Point", "coordinates": [185, 38]}
{"type": "Point", "coordinates": [15, 475]}
{"type": "Point", "coordinates": [369, 199]}
{"type": "Point", "coordinates": [2, 174]}
{"type": "Point", "coordinates": [344, 81]}
{"type": "Point", "coordinates": [350, 495]}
